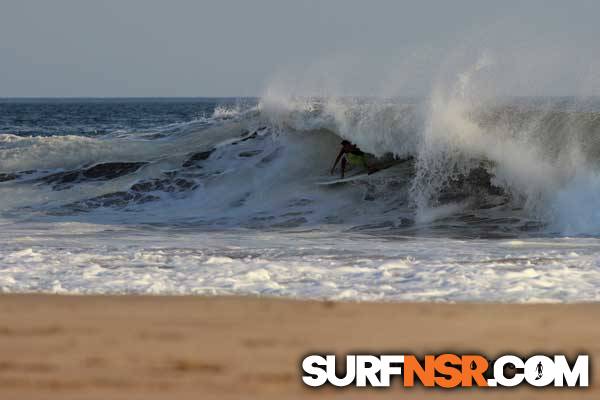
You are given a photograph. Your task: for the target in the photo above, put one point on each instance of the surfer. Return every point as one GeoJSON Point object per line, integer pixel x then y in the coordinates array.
{"type": "Point", "coordinates": [350, 153]}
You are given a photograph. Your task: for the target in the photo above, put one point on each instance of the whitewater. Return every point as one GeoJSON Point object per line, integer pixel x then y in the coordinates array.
{"type": "Point", "coordinates": [491, 199]}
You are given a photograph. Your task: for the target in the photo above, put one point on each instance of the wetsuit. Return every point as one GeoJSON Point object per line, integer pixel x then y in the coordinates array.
{"type": "Point", "coordinates": [356, 158]}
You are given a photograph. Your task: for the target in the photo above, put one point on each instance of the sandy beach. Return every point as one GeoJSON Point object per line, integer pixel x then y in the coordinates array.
{"type": "Point", "coordinates": [134, 347]}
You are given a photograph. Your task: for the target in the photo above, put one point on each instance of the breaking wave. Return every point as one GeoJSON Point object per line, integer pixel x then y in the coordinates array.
{"type": "Point", "coordinates": [461, 164]}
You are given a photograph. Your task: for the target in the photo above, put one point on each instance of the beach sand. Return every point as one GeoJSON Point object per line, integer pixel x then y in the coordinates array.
{"type": "Point", "coordinates": [133, 347]}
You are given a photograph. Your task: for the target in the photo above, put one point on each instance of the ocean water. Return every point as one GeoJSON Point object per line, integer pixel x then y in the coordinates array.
{"type": "Point", "coordinates": [488, 200]}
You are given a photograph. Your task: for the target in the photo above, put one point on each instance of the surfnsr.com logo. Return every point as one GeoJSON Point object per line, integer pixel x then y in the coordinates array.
{"type": "Point", "coordinates": [445, 371]}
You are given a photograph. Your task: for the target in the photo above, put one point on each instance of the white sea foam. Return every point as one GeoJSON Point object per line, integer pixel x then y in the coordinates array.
{"type": "Point", "coordinates": [94, 258]}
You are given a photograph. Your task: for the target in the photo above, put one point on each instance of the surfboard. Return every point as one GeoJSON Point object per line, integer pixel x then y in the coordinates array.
{"type": "Point", "coordinates": [389, 167]}
{"type": "Point", "coordinates": [344, 180]}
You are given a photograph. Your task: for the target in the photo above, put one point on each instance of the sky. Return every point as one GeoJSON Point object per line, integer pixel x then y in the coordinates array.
{"type": "Point", "coordinates": [147, 48]}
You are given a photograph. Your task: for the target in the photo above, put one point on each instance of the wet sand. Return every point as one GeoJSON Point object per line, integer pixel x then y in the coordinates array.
{"type": "Point", "coordinates": [132, 347]}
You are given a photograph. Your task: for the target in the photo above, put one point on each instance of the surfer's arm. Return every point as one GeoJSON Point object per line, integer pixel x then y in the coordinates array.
{"type": "Point", "coordinates": [337, 159]}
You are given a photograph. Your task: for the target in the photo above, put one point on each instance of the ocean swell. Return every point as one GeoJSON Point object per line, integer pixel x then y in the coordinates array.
{"type": "Point", "coordinates": [501, 166]}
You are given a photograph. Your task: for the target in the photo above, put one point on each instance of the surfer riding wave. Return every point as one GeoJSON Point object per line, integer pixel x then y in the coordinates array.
{"type": "Point", "coordinates": [351, 154]}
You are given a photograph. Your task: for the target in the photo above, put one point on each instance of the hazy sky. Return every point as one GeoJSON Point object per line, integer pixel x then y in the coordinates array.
{"type": "Point", "coordinates": [239, 48]}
